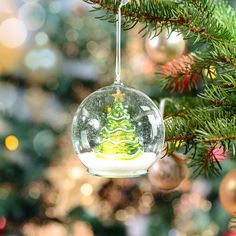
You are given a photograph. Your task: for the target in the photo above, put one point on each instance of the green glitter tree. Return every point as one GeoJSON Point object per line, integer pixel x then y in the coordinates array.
{"type": "Point", "coordinates": [117, 138]}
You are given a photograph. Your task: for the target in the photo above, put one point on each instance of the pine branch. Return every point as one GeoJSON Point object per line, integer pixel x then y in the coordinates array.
{"type": "Point", "coordinates": [198, 20]}
{"type": "Point", "coordinates": [218, 130]}
{"type": "Point", "coordinates": [205, 163]}
{"type": "Point", "coordinates": [192, 64]}
{"type": "Point", "coordinates": [187, 16]}
{"type": "Point", "coordinates": [222, 92]}
{"type": "Point", "coordinates": [219, 127]}
{"type": "Point", "coordinates": [223, 54]}
{"type": "Point", "coordinates": [203, 7]}
{"type": "Point", "coordinates": [210, 25]}
{"type": "Point", "coordinates": [227, 15]}
{"type": "Point", "coordinates": [227, 81]}
{"type": "Point", "coordinates": [184, 69]}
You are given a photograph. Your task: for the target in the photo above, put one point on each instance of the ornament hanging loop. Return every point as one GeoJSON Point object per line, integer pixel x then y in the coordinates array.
{"type": "Point", "coordinates": [163, 104]}
{"type": "Point", "coordinates": [118, 42]}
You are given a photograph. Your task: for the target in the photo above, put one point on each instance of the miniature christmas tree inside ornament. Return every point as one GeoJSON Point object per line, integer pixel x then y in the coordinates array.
{"type": "Point", "coordinates": [117, 138]}
{"type": "Point", "coordinates": [118, 131]}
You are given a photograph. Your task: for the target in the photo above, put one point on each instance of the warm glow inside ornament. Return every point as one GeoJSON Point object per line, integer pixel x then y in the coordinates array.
{"type": "Point", "coordinates": [118, 131]}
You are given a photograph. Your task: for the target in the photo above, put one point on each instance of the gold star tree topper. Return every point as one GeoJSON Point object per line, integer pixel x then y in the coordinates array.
{"type": "Point", "coordinates": [119, 96]}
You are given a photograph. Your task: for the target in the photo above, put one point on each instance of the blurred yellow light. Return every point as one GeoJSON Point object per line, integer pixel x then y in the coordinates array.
{"type": "Point", "coordinates": [11, 142]}
{"type": "Point", "coordinates": [13, 33]}
{"type": "Point", "coordinates": [11, 57]}
{"type": "Point", "coordinates": [210, 73]}
{"type": "Point", "coordinates": [178, 144]}
{"type": "Point", "coordinates": [205, 205]}
{"type": "Point", "coordinates": [75, 173]}
{"type": "Point", "coordinates": [86, 189]}
{"type": "Point", "coordinates": [121, 215]}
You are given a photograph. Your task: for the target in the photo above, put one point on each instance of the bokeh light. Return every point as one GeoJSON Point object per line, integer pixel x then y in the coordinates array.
{"type": "Point", "coordinates": [42, 62]}
{"type": "Point", "coordinates": [7, 9]}
{"type": "Point", "coordinates": [86, 189]}
{"type": "Point", "coordinates": [41, 38]}
{"type": "Point", "coordinates": [75, 173]}
{"type": "Point", "coordinates": [11, 58]}
{"type": "Point", "coordinates": [44, 142]}
{"type": "Point", "coordinates": [8, 96]}
{"type": "Point", "coordinates": [55, 6]}
{"type": "Point", "coordinates": [3, 222]}
{"type": "Point", "coordinates": [210, 73]}
{"type": "Point", "coordinates": [11, 142]}
{"type": "Point", "coordinates": [40, 59]}
{"type": "Point", "coordinates": [13, 32]}
{"type": "Point", "coordinates": [33, 14]}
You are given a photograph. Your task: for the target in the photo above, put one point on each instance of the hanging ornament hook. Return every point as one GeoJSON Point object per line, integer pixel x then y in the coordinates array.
{"type": "Point", "coordinates": [163, 104]}
{"type": "Point", "coordinates": [118, 41]}
{"type": "Point", "coordinates": [123, 2]}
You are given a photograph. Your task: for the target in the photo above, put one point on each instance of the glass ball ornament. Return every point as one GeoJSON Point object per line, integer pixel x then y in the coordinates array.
{"type": "Point", "coordinates": [117, 132]}
{"type": "Point", "coordinates": [165, 47]}
{"type": "Point", "coordinates": [167, 173]}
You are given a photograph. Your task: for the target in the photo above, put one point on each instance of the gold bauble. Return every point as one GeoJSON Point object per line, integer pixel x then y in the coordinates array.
{"type": "Point", "coordinates": [167, 173]}
{"type": "Point", "coordinates": [165, 47]}
{"type": "Point", "coordinates": [228, 193]}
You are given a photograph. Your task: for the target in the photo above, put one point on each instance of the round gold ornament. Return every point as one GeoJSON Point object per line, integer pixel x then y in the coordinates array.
{"type": "Point", "coordinates": [167, 173]}
{"type": "Point", "coordinates": [165, 47]}
{"type": "Point", "coordinates": [228, 193]}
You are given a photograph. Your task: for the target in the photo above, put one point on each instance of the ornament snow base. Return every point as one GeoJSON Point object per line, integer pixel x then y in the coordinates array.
{"type": "Point", "coordinates": [118, 168]}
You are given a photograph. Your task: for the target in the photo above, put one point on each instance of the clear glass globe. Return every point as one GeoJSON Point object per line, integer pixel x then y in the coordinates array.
{"type": "Point", "coordinates": [117, 132]}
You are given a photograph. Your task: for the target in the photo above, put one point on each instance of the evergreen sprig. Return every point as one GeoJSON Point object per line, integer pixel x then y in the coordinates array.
{"type": "Point", "coordinates": [209, 120]}
{"type": "Point", "coordinates": [205, 162]}
{"type": "Point", "coordinates": [221, 96]}
{"type": "Point", "coordinates": [191, 17]}
{"type": "Point", "coordinates": [200, 129]}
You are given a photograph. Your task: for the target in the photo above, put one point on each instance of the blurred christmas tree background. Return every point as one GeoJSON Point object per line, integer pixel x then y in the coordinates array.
{"type": "Point", "coordinates": [53, 54]}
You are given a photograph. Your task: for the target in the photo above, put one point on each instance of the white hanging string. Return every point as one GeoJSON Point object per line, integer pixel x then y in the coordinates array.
{"type": "Point", "coordinates": [162, 111]}
{"type": "Point", "coordinates": [118, 42]}
{"type": "Point", "coordinates": [162, 105]}
{"type": "Point", "coordinates": [118, 53]}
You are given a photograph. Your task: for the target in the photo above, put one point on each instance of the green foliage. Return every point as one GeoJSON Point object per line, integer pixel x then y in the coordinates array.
{"type": "Point", "coordinates": [209, 119]}
{"type": "Point", "coordinates": [205, 22]}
